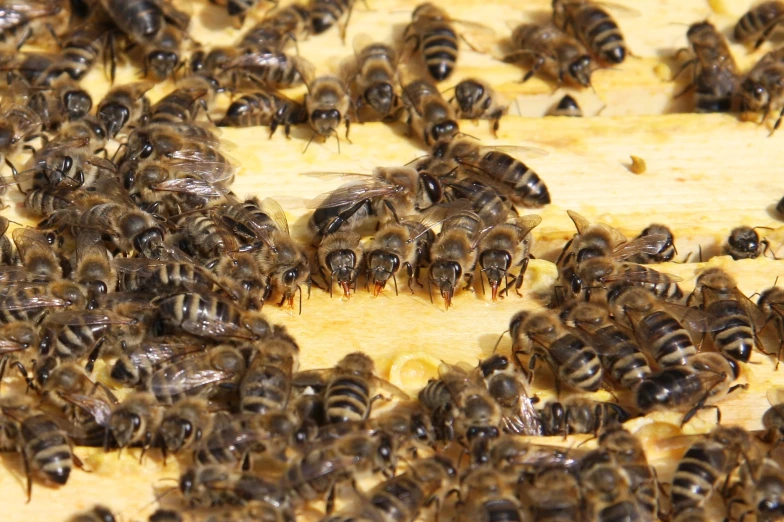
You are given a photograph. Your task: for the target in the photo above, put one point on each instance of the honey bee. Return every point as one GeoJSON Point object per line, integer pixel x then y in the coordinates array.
{"type": "Point", "coordinates": [8, 253]}
{"type": "Point", "coordinates": [204, 314]}
{"type": "Point", "coordinates": [434, 37]}
{"type": "Point", "coordinates": [759, 490]}
{"type": "Point", "coordinates": [184, 424]}
{"type": "Point", "coordinates": [490, 206]}
{"type": "Point", "coordinates": [219, 485]}
{"type": "Point", "coordinates": [554, 493]}
{"type": "Point", "coordinates": [264, 108]}
{"type": "Point", "coordinates": [81, 48]}
{"type": "Point", "coordinates": [568, 107]}
{"type": "Point", "coordinates": [266, 385]}
{"type": "Point", "coordinates": [607, 488]}
{"type": "Point", "coordinates": [203, 375]}
{"type": "Point", "coordinates": [395, 246]}
{"type": "Point", "coordinates": [629, 453]}
{"type": "Point", "coordinates": [620, 355]}
{"type": "Point", "coordinates": [596, 273]}
{"type": "Point", "coordinates": [97, 513]}
{"type": "Point", "coordinates": [278, 27]}
{"type": "Point", "coordinates": [29, 302]}
{"type": "Point", "coordinates": [266, 68]}
{"type": "Point", "coordinates": [139, 274]}
{"type": "Point", "coordinates": [241, 8]}
{"type": "Point", "coordinates": [699, 384]}
{"type": "Point", "coordinates": [706, 461]}
{"type": "Point", "coordinates": [124, 105]}
{"type": "Point", "coordinates": [23, 19]}
{"type": "Point", "coordinates": [339, 257]}
{"type": "Point", "coordinates": [348, 387]}
{"type": "Point", "coordinates": [134, 421]}
{"type": "Point", "coordinates": [253, 510]}
{"type": "Point", "coordinates": [162, 57]}
{"type": "Point", "coordinates": [474, 99]}
{"type": "Point", "coordinates": [553, 51]}
{"type": "Point", "coordinates": [579, 415]}
{"type": "Point", "coordinates": [476, 413]}
{"type": "Point", "coordinates": [542, 335]}
{"type": "Point", "coordinates": [17, 341]}
{"type": "Point", "coordinates": [593, 27]}
{"type": "Point", "coordinates": [89, 128]}
{"type": "Point", "coordinates": [507, 174]}
{"type": "Point", "coordinates": [374, 81]}
{"type": "Point", "coordinates": [19, 125]}
{"type": "Point", "coordinates": [489, 497]}
{"type": "Point", "coordinates": [328, 104]}
{"type": "Point", "coordinates": [63, 101]}
{"type": "Point", "coordinates": [504, 247]}
{"type": "Point", "coordinates": [510, 392]}
{"type": "Point", "coordinates": [745, 243]}
{"type": "Point", "coordinates": [66, 163]}
{"type": "Point", "coordinates": [314, 473]}
{"type": "Point", "coordinates": [207, 239]}
{"type": "Point", "coordinates": [759, 23]}
{"type": "Point", "coordinates": [43, 445]}
{"type": "Point", "coordinates": [93, 268]}
{"type": "Point", "coordinates": [453, 255]}
{"type": "Point", "coordinates": [241, 277]}
{"type": "Point", "coordinates": [143, 20]}
{"type": "Point", "coordinates": [326, 13]}
{"type": "Point", "coordinates": [770, 304]}
{"type": "Point", "coordinates": [667, 251]}
{"type": "Point", "coordinates": [430, 117]}
{"type": "Point", "coordinates": [437, 400]}
{"type": "Point", "coordinates": [40, 261]}
{"type": "Point", "coordinates": [762, 91]}
{"type": "Point", "coordinates": [734, 319]}
{"type": "Point", "coordinates": [658, 326]}
{"type": "Point", "coordinates": [182, 105]}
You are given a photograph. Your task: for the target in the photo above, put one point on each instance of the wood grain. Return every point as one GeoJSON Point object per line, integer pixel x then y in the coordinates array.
{"type": "Point", "coordinates": [706, 174]}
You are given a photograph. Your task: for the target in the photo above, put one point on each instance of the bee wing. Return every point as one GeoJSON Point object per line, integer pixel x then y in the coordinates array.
{"type": "Point", "coordinates": [211, 171]}
{"type": "Point", "coordinates": [518, 150]}
{"type": "Point", "coordinates": [361, 41]}
{"type": "Point", "coordinates": [102, 163]}
{"type": "Point", "coordinates": [275, 212]}
{"type": "Point", "coordinates": [98, 408]}
{"type": "Point", "coordinates": [89, 241]}
{"type": "Point", "coordinates": [15, 13]}
{"type": "Point", "coordinates": [193, 186]}
{"type": "Point", "coordinates": [633, 273]}
{"type": "Point", "coordinates": [313, 378]}
{"type": "Point", "coordinates": [214, 328]}
{"type": "Point", "coordinates": [157, 353]}
{"type": "Point", "coordinates": [652, 244]}
{"type": "Point", "coordinates": [353, 193]}
{"type": "Point", "coordinates": [523, 419]}
{"type": "Point", "coordinates": [24, 302]}
{"type": "Point", "coordinates": [9, 346]}
{"type": "Point", "coordinates": [351, 176]}
{"type": "Point", "coordinates": [178, 379]}
{"type": "Point", "coordinates": [322, 468]}
{"type": "Point", "coordinates": [580, 223]}
{"type": "Point", "coordinates": [690, 318]}
{"type": "Point", "coordinates": [173, 15]}
{"type": "Point", "coordinates": [391, 389]}
{"type": "Point", "coordinates": [753, 311]}
{"type": "Point", "coordinates": [26, 122]}
{"type": "Point", "coordinates": [527, 223]}
{"type": "Point", "coordinates": [11, 274]}
{"type": "Point", "coordinates": [305, 69]}
{"type": "Point", "coordinates": [26, 239]}
{"type": "Point", "coordinates": [88, 317]}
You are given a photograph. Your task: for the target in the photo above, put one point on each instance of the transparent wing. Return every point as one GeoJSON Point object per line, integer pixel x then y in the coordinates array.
{"type": "Point", "coordinates": [27, 239]}
{"type": "Point", "coordinates": [193, 186]}
{"type": "Point", "coordinates": [98, 408]}
{"type": "Point", "coordinates": [89, 242]}
{"type": "Point", "coordinates": [28, 302]}
{"type": "Point", "coordinates": [26, 122]}
{"type": "Point", "coordinates": [517, 150]}
{"type": "Point", "coordinates": [637, 274]}
{"type": "Point", "coordinates": [346, 176]}
{"type": "Point", "coordinates": [275, 212]}
{"type": "Point", "coordinates": [652, 244]}
{"type": "Point", "coordinates": [178, 379]}
{"type": "Point", "coordinates": [522, 419]}
{"type": "Point", "coordinates": [349, 194]}
{"type": "Point", "coordinates": [527, 223]}
{"type": "Point", "coordinates": [391, 389]}
{"type": "Point", "coordinates": [215, 328]}
{"type": "Point", "coordinates": [753, 311]}
{"type": "Point", "coordinates": [88, 317]}
{"type": "Point", "coordinates": [13, 274]}
{"type": "Point", "coordinates": [580, 223]}
{"type": "Point", "coordinates": [690, 318]}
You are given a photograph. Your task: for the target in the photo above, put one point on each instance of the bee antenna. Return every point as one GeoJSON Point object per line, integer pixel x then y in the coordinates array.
{"type": "Point", "coordinates": [310, 140]}
{"type": "Point", "coordinates": [499, 340]}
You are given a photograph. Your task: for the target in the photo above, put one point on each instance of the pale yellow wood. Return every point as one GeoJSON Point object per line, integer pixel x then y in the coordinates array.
{"type": "Point", "coordinates": [705, 175]}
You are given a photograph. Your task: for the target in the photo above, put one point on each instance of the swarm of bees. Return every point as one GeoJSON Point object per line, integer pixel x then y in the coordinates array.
{"type": "Point", "coordinates": [145, 263]}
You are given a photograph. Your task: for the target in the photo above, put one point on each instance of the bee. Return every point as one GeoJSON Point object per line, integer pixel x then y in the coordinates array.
{"type": "Point", "coordinates": [436, 398]}
{"type": "Point", "coordinates": [266, 385]}
{"type": "Point", "coordinates": [207, 239]}
{"type": "Point", "coordinates": [399, 191]}
{"type": "Point", "coordinates": [68, 164]}
{"type": "Point", "coordinates": [45, 448]}
{"type": "Point", "coordinates": [241, 277]}
{"type": "Point", "coordinates": [706, 461]}
{"type": "Point", "coordinates": [348, 387]}
{"type": "Point", "coordinates": [489, 497]}
{"type": "Point", "coordinates": [599, 240]}
{"type": "Point", "coordinates": [328, 104]}
{"type": "Point", "coordinates": [408, 424]}
{"type": "Point", "coordinates": [667, 252]}
{"type": "Point", "coordinates": [554, 494]}
{"type": "Point", "coordinates": [593, 27]}
{"type": "Point", "coordinates": [476, 414]}
{"type": "Point", "coordinates": [19, 125]}
{"type": "Point", "coordinates": [162, 56]}
{"type": "Point", "coordinates": [40, 261]}
{"type": "Point", "coordinates": [745, 243]}
{"type": "Point", "coordinates": [620, 355]}
{"type": "Point", "coordinates": [134, 421]}
{"type": "Point", "coordinates": [139, 274]}
{"type": "Point", "coordinates": [93, 268]}
{"type": "Point", "coordinates": [699, 384]}
{"type": "Point", "coordinates": [629, 454]}
{"type": "Point", "coordinates": [339, 257]}
{"type": "Point", "coordinates": [759, 23]}
{"type": "Point", "coordinates": [264, 108]}
{"type": "Point", "coordinates": [734, 318]}
{"type": "Point", "coordinates": [17, 341]}
{"type": "Point", "coordinates": [474, 99]}
{"type": "Point", "coordinates": [81, 48]}
{"type": "Point", "coordinates": [29, 302]}
{"type": "Point", "coordinates": [204, 375]}
{"type": "Point", "coordinates": [395, 246]}
{"type": "Point", "coordinates": [143, 20]}
{"type": "Point", "coordinates": [510, 176]}
{"type": "Point", "coordinates": [26, 17]}
{"type": "Point", "coordinates": [658, 326]}
{"type": "Point", "coordinates": [759, 491]}
{"type": "Point", "coordinates": [63, 101]}
{"type": "Point", "coordinates": [762, 91]}
{"type": "Point", "coordinates": [183, 105]}
{"type": "Point", "coordinates": [212, 316]}
{"type": "Point", "coordinates": [315, 472]}
{"type": "Point", "coordinates": [97, 513]}
{"type": "Point", "coordinates": [567, 106]}
{"type": "Point", "coordinates": [241, 8]}
{"type": "Point", "coordinates": [8, 253]}
{"type": "Point", "coordinates": [596, 273]}
{"type": "Point", "coordinates": [542, 335]}
{"type": "Point", "coordinates": [553, 51]}
{"type": "Point", "coordinates": [488, 204]}
{"type": "Point", "coordinates": [510, 392]}
{"type": "Point", "coordinates": [266, 68]}
{"type": "Point", "coordinates": [607, 488]}
{"type": "Point", "coordinates": [219, 485]}
{"type": "Point", "coordinates": [430, 117]}
{"type": "Point", "coordinates": [374, 81]}
{"type": "Point", "coordinates": [184, 424]}
{"type": "Point", "coordinates": [504, 247]}
{"type": "Point", "coordinates": [578, 415]}
{"type": "Point", "coordinates": [434, 37]}
{"type": "Point", "coordinates": [454, 255]}
{"type": "Point", "coordinates": [124, 105]}
{"type": "Point", "coordinates": [89, 128]}
{"type": "Point", "coordinates": [253, 510]}
{"type": "Point", "coordinates": [326, 13]}
{"type": "Point", "coordinates": [277, 28]}
{"type": "Point", "coordinates": [770, 304]}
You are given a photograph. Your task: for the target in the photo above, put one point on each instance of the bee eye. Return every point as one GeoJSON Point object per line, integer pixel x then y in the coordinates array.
{"type": "Point", "coordinates": [136, 421]}
{"type": "Point", "coordinates": [432, 187]}
{"type": "Point", "coordinates": [577, 284]}
{"type": "Point", "coordinates": [187, 429]}
{"type": "Point", "coordinates": [147, 150]}
{"type": "Point", "coordinates": [290, 276]}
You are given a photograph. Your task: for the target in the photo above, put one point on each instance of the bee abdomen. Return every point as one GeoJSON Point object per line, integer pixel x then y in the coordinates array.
{"type": "Point", "coordinates": [347, 400]}
{"type": "Point", "coordinates": [439, 48]}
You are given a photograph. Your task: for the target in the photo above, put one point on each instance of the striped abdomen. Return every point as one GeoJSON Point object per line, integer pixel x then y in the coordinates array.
{"type": "Point", "coordinates": [75, 340]}
{"type": "Point", "coordinates": [265, 387]}
{"type": "Point", "coordinates": [665, 339]}
{"type": "Point", "coordinates": [46, 448]}
{"type": "Point", "coordinates": [696, 476]}
{"type": "Point", "coordinates": [527, 188]}
{"type": "Point", "coordinates": [326, 13]}
{"type": "Point", "coordinates": [626, 363]}
{"type": "Point", "coordinates": [600, 33]}
{"type": "Point", "coordinates": [731, 331]}
{"type": "Point", "coordinates": [755, 23]}
{"type": "Point", "coordinates": [347, 399]}
{"type": "Point", "coordinates": [577, 363]}
{"type": "Point", "coordinates": [438, 44]}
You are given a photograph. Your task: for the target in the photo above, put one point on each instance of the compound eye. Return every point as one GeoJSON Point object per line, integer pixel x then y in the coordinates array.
{"type": "Point", "coordinates": [432, 187]}
{"type": "Point", "coordinates": [290, 276]}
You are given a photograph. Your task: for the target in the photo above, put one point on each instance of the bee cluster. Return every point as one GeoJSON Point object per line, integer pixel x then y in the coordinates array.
{"type": "Point", "coordinates": [145, 263]}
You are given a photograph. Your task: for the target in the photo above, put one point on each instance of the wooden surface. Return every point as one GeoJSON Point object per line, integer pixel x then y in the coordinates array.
{"type": "Point", "coordinates": [706, 174]}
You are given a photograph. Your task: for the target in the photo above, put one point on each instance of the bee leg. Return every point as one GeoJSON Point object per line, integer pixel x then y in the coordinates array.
{"type": "Point", "coordinates": [94, 355]}
{"type": "Point", "coordinates": [330, 503]}
{"type": "Point", "coordinates": [778, 122]}
{"type": "Point", "coordinates": [28, 476]}
{"type": "Point", "coordinates": [534, 69]}
{"type": "Point", "coordinates": [14, 173]}
{"type": "Point", "coordinates": [685, 65]}
{"type": "Point", "coordinates": [519, 282]}
{"type": "Point", "coordinates": [26, 36]}
{"type": "Point", "coordinates": [469, 282]}
{"type": "Point", "coordinates": [348, 126]}
{"type": "Point", "coordinates": [765, 35]}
